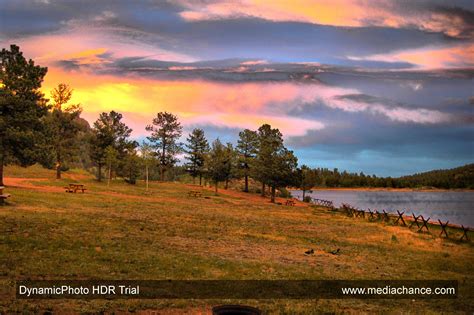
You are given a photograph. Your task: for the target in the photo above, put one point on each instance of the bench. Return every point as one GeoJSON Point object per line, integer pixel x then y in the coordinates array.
{"type": "Point", "coordinates": [2, 195]}
{"type": "Point", "coordinates": [290, 202]}
{"type": "Point", "coordinates": [194, 193]}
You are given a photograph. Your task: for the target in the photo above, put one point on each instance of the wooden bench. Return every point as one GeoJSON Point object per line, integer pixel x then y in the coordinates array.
{"type": "Point", "coordinates": [74, 188]}
{"type": "Point", "coordinates": [3, 196]}
{"type": "Point", "coordinates": [290, 202]}
{"type": "Point", "coordinates": [194, 193]}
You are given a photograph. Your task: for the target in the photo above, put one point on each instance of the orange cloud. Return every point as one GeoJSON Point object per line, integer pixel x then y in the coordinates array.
{"type": "Point", "coordinates": [87, 44]}
{"type": "Point", "coordinates": [244, 105]}
{"type": "Point", "coordinates": [89, 56]}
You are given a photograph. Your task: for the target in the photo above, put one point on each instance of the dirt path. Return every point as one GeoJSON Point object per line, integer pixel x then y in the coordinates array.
{"type": "Point", "coordinates": [248, 196]}
{"type": "Point", "coordinates": [25, 183]}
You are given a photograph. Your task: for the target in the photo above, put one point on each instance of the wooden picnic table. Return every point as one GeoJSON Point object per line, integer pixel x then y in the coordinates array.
{"type": "Point", "coordinates": [2, 195]}
{"type": "Point", "coordinates": [290, 202]}
{"type": "Point", "coordinates": [74, 188]}
{"type": "Point", "coordinates": [194, 193]}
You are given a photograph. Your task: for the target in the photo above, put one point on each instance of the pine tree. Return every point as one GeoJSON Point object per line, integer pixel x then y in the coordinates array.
{"type": "Point", "coordinates": [111, 159]}
{"type": "Point", "coordinates": [109, 130]}
{"type": "Point", "coordinates": [22, 105]}
{"type": "Point", "coordinates": [197, 148]}
{"type": "Point", "coordinates": [230, 160]}
{"type": "Point", "coordinates": [274, 164]}
{"type": "Point", "coordinates": [307, 179]}
{"type": "Point", "coordinates": [131, 166]}
{"type": "Point", "coordinates": [63, 126]}
{"type": "Point", "coordinates": [246, 149]}
{"type": "Point", "coordinates": [165, 133]}
{"type": "Point", "coordinates": [216, 163]}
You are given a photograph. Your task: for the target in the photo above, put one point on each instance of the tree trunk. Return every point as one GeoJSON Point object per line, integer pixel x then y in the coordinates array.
{"type": "Point", "coordinates": [2, 160]}
{"type": "Point", "coordinates": [304, 191]}
{"type": "Point", "coordinates": [226, 184]}
{"type": "Point", "coordinates": [146, 176]}
{"type": "Point", "coordinates": [58, 165]}
{"type": "Point", "coordinates": [273, 194]}
{"type": "Point", "coordinates": [200, 179]}
{"type": "Point", "coordinates": [263, 190]}
{"type": "Point", "coordinates": [216, 187]}
{"type": "Point", "coordinates": [246, 189]}
{"type": "Point", "coordinates": [194, 180]}
{"type": "Point", "coordinates": [99, 172]}
{"type": "Point", "coordinates": [110, 175]}
{"type": "Point", "coordinates": [163, 161]}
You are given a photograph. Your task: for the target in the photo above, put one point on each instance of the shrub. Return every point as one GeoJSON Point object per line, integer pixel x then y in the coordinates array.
{"type": "Point", "coordinates": [284, 193]}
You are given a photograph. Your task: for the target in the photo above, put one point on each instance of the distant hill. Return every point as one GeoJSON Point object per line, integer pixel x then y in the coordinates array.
{"type": "Point", "coordinates": [456, 178]}
{"type": "Point", "coordinates": [459, 177]}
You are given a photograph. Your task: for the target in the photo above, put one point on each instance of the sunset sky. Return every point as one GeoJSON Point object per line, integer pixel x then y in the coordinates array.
{"type": "Point", "coordinates": [384, 87]}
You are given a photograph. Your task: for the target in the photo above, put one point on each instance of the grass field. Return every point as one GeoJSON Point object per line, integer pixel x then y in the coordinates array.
{"type": "Point", "coordinates": [123, 232]}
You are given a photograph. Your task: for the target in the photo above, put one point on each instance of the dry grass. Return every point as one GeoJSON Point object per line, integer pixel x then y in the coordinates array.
{"type": "Point", "coordinates": [124, 232]}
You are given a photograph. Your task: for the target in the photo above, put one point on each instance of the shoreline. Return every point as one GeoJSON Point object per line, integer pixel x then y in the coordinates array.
{"type": "Point", "coordinates": [387, 189]}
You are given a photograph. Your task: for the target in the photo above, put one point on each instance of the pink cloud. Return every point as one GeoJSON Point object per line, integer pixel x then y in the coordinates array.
{"type": "Point", "coordinates": [429, 57]}
{"type": "Point", "coordinates": [351, 13]}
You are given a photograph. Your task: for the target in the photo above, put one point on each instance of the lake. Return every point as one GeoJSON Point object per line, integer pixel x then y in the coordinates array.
{"type": "Point", "coordinates": [455, 206]}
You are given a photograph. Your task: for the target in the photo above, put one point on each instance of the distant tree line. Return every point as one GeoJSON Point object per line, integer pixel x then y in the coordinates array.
{"type": "Point", "coordinates": [34, 129]}
{"type": "Point", "coordinates": [460, 177]}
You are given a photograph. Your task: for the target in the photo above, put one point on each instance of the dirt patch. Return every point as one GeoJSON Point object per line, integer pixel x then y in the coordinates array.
{"type": "Point", "coordinates": [141, 198]}
{"type": "Point", "coordinates": [26, 183]}
{"type": "Point", "coordinates": [248, 196]}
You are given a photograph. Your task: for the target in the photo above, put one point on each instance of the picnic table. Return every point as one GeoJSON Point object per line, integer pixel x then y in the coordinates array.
{"type": "Point", "coordinates": [2, 195]}
{"type": "Point", "coordinates": [194, 193]}
{"type": "Point", "coordinates": [74, 188]}
{"type": "Point", "coordinates": [290, 202]}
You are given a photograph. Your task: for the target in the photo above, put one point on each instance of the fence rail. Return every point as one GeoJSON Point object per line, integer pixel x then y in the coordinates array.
{"type": "Point", "coordinates": [400, 218]}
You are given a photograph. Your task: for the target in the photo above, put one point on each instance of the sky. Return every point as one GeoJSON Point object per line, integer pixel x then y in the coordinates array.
{"type": "Point", "coordinates": [382, 87]}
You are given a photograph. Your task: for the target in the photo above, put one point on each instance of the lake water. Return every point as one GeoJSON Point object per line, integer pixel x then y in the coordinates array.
{"type": "Point", "coordinates": [455, 206]}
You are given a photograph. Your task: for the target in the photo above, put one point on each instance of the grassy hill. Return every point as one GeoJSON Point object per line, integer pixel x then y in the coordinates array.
{"type": "Point", "coordinates": [123, 232]}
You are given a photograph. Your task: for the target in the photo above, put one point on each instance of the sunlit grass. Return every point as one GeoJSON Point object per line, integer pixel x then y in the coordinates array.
{"type": "Point", "coordinates": [122, 231]}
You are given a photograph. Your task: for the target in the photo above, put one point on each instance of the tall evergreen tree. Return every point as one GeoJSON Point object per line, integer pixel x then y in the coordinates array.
{"type": "Point", "coordinates": [196, 149]}
{"type": "Point", "coordinates": [269, 140]}
{"type": "Point", "coordinates": [165, 133]}
{"type": "Point", "coordinates": [306, 179]}
{"type": "Point", "coordinates": [109, 130]}
{"type": "Point", "coordinates": [63, 126]}
{"type": "Point", "coordinates": [246, 150]}
{"type": "Point", "coordinates": [274, 164]}
{"type": "Point", "coordinates": [131, 166]}
{"type": "Point", "coordinates": [111, 159]}
{"type": "Point", "coordinates": [22, 105]}
{"type": "Point", "coordinates": [230, 160]}
{"type": "Point", "coordinates": [217, 163]}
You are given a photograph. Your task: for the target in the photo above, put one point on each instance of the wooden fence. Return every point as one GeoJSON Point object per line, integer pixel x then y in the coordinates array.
{"type": "Point", "coordinates": [320, 202]}
{"type": "Point", "coordinates": [400, 218]}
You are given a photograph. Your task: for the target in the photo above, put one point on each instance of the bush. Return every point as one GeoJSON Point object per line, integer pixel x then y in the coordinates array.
{"type": "Point", "coordinates": [284, 193]}
{"type": "Point", "coordinates": [307, 199]}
